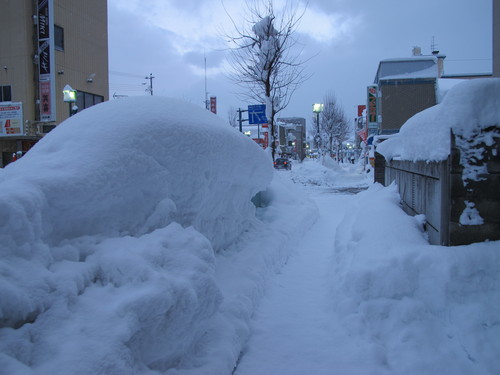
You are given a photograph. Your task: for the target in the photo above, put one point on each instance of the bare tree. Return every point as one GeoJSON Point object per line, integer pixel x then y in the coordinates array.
{"type": "Point", "coordinates": [232, 116]}
{"type": "Point", "coordinates": [334, 125]}
{"type": "Point", "coordinates": [264, 60]}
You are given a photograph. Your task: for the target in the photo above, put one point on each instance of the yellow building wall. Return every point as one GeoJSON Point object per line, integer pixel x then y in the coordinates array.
{"type": "Point", "coordinates": [85, 52]}
{"type": "Point", "coordinates": [17, 51]}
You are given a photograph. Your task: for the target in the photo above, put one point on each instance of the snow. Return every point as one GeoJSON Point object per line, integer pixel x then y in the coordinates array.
{"type": "Point", "coordinates": [470, 215]}
{"type": "Point", "coordinates": [110, 224]}
{"type": "Point", "coordinates": [431, 72]}
{"type": "Point", "coordinates": [132, 248]}
{"type": "Point", "coordinates": [467, 107]}
{"type": "Point", "coordinates": [408, 68]}
{"type": "Point", "coordinates": [444, 85]}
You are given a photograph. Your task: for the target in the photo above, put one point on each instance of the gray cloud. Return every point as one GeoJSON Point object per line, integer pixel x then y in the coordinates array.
{"type": "Point", "coordinates": [173, 46]}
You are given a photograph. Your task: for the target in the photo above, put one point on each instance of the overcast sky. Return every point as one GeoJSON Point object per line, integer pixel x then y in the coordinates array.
{"type": "Point", "coordinates": [345, 38]}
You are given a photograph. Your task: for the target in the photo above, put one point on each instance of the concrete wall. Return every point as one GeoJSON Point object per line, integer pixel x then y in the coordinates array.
{"type": "Point", "coordinates": [485, 194]}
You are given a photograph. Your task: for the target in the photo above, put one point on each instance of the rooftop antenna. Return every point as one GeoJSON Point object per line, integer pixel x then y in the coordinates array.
{"type": "Point", "coordinates": [433, 46]}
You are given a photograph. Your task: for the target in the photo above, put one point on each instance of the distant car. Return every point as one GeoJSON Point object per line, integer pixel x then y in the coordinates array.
{"type": "Point", "coordinates": [283, 163]}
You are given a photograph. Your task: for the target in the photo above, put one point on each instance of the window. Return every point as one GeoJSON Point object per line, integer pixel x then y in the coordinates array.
{"type": "Point", "coordinates": [86, 100]}
{"type": "Point", "coordinates": [5, 94]}
{"type": "Point", "coordinates": [58, 38]}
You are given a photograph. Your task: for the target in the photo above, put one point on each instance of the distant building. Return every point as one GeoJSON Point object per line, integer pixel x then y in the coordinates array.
{"type": "Point", "coordinates": [405, 86]}
{"type": "Point", "coordinates": [46, 45]}
{"type": "Point", "coordinates": [292, 136]}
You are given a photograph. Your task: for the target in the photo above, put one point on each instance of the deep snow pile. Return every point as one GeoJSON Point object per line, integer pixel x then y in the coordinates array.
{"type": "Point", "coordinates": [467, 108]}
{"type": "Point", "coordinates": [109, 233]}
{"type": "Point", "coordinates": [410, 307]}
{"type": "Point", "coordinates": [326, 172]}
{"type": "Point", "coordinates": [130, 166]}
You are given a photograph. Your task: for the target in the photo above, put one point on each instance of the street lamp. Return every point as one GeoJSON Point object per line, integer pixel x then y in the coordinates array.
{"type": "Point", "coordinates": [317, 108]}
{"type": "Point", "coordinates": [69, 96]}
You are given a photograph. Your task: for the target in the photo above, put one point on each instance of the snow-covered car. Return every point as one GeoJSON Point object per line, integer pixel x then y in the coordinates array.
{"type": "Point", "coordinates": [282, 163]}
{"type": "Point", "coordinates": [109, 231]}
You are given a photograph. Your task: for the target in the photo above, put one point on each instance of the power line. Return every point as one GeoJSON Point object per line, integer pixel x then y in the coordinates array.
{"type": "Point", "coordinates": [116, 73]}
{"type": "Point", "coordinates": [468, 59]}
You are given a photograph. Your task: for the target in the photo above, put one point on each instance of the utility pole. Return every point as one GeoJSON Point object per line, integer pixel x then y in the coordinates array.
{"type": "Point", "coordinates": [240, 120]}
{"type": "Point", "coordinates": [150, 88]}
{"type": "Point", "coordinates": [206, 92]}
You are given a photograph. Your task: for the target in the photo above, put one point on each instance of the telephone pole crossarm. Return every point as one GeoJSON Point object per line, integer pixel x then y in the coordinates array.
{"type": "Point", "coordinates": [150, 77]}
{"type": "Point", "coordinates": [240, 120]}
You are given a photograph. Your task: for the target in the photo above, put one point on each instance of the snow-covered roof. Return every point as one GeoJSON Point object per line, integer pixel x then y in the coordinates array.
{"type": "Point", "coordinates": [408, 68]}
{"type": "Point", "coordinates": [467, 106]}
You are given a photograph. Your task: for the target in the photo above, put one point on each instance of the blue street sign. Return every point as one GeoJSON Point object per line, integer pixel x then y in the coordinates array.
{"type": "Point", "coordinates": [257, 114]}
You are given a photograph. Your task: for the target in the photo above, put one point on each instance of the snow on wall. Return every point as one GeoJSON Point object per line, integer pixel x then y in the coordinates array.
{"type": "Point", "coordinates": [467, 106]}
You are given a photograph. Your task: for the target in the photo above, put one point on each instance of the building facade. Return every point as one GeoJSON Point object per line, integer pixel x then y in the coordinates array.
{"type": "Point", "coordinates": [292, 137]}
{"type": "Point", "coordinates": [404, 87]}
{"type": "Point", "coordinates": [48, 45]}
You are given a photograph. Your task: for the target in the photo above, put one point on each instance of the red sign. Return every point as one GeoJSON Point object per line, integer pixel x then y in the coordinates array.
{"type": "Point", "coordinates": [213, 104]}
{"type": "Point", "coordinates": [363, 134]}
{"type": "Point", "coordinates": [45, 107]}
{"type": "Point", "coordinates": [361, 108]}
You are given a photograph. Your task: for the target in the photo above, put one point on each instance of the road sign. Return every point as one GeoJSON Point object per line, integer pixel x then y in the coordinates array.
{"type": "Point", "coordinates": [257, 114]}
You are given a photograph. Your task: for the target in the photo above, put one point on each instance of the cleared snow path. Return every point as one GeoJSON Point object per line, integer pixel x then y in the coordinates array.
{"type": "Point", "coordinates": [293, 331]}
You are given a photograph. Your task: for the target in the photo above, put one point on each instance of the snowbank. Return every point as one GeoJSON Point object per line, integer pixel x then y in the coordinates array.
{"type": "Point", "coordinates": [132, 165]}
{"type": "Point", "coordinates": [326, 172]}
{"type": "Point", "coordinates": [411, 307]}
{"type": "Point", "coordinates": [243, 275]}
{"type": "Point", "coordinates": [467, 107]}
{"type": "Point", "coordinates": [108, 232]}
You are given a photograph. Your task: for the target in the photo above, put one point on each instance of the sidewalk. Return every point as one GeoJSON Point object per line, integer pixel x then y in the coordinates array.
{"type": "Point", "coordinates": [293, 330]}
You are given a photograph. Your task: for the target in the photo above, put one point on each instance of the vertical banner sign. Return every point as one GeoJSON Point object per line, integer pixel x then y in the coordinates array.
{"type": "Point", "coordinates": [11, 119]}
{"type": "Point", "coordinates": [372, 105]}
{"type": "Point", "coordinates": [46, 77]}
{"type": "Point", "coordinates": [213, 104]}
{"type": "Point", "coordinates": [265, 129]}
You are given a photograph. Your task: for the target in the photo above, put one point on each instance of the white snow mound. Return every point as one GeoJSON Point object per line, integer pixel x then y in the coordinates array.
{"type": "Point", "coordinates": [108, 232]}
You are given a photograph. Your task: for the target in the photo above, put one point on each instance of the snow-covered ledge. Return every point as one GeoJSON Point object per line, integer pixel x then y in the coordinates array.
{"type": "Point", "coordinates": [446, 163]}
